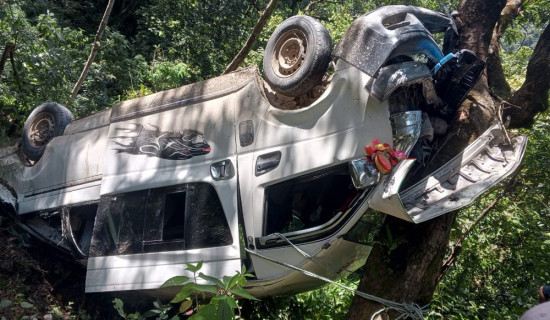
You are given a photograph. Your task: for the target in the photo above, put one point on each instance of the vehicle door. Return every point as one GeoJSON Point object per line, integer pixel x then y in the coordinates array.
{"type": "Point", "coordinates": [293, 167]}
{"type": "Point", "coordinates": [168, 193]}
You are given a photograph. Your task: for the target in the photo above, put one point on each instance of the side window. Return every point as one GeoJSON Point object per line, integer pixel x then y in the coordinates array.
{"type": "Point", "coordinates": [182, 217]}
{"type": "Point", "coordinates": [80, 224]}
{"type": "Point", "coordinates": [119, 224]}
{"type": "Point", "coordinates": [308, 201]}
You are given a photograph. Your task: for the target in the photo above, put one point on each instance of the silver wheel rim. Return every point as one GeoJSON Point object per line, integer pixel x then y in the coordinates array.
{"type": "Point", "coordinates": [41, 130]}
{"type": "Point", "coordinates": [289, 53]}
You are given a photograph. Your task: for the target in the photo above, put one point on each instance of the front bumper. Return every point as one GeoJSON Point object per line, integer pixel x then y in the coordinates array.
{"type": "Point", "coordinates": [484, 163]}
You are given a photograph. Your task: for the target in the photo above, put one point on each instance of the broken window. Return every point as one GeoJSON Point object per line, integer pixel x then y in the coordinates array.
{"type": "Point", "coordinates": [79, 227]}
{"type": "Point", "coordinates": [183, 217]}
{"type": "Point", "coordinates": [308, 201]}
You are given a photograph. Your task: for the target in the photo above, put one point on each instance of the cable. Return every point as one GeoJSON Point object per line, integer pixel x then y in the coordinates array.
{"type": "Point", "coordinates": [406, 310]}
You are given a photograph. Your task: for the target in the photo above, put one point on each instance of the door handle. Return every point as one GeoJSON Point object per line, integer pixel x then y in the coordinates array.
{"type": "Point", "coordinates": [267, 162]}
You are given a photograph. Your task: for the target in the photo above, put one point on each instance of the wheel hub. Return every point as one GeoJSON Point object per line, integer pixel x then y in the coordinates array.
{"type": "Point", "coordinates": [290, 52]}
{"type": "Point", "coordinates": [41, 129]}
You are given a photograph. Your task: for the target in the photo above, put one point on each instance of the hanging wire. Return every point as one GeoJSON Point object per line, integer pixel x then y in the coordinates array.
{"type": "Point", "coordinates": [406, 310]}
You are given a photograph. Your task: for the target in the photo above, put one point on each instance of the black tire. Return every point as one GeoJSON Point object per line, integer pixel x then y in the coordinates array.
{"type": "Point", "coordinates": [297, 55]}
{"type": "Point", "coordinates": [45, 122]}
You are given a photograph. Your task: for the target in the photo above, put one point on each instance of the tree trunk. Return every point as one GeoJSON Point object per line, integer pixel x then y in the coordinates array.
{"type": "Point", "coordinates": [262, 21]}
{"type": "Point", "coordinates": [95, 47]}
{"type": "Point", "coordinates": [410, 272]}
{"type": "Point", "coordinates": [10, 48]}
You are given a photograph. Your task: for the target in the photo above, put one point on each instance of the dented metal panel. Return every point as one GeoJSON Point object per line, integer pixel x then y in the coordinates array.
{"type": "Point", "coordinates": [388, 32]}
{"type": "Point", "coordinates": [484, 163]}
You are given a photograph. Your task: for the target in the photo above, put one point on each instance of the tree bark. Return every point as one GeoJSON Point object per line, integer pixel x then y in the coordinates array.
{"type": "Point", "coordinates": [10, 48]}
{"type": "Point", "coordinates": [407, 274]}
{"type": "Point", "coordinates": [95, 48]}
{"type": "Point", "coordinates": [410, 273]}
{"type": "Point", "coordinates": [262, 21]}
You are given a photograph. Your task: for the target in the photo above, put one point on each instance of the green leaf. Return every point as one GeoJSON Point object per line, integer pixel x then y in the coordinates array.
{"type": "Point", "coordinates": [232, 302]}
{"type": "Point", "coordinates": [184, 293]}
{"type": "Point", "coordinates": [119, 307]}
{"type": "Point", "coordinates": [185, 305]}
{"type": "Point", "coordinates": [25, 305]}
{"type": "Point", "coordinates": [194, 268]}
{"type": "Point", "coordinates": [211, 279]}
{"type": "Point", "coordinates": [389, 234]}
{"type": "Point", "coordinates": [136, 316]}
{"type": "Point", "coordinates": [242, 281]}
{"type": "Point", "coordinates": [175, 281]}
{"type": "Point", "coordinates": [157, 304]}
{"type": "Point", "coordinates": [207, 312]}
{"type": "Point", "coordinates": [207, 288]}
{"type": "Point", "coordinates": [227, 282]}
{"type": "Point", "coordinates": [151, 313]}
{"type": "Point", "coordinates": [243, 293]}
{"type": "Point", "coordinates": [233, 281]}
{"type": "Point", "coordinates": [5, 303]}
{"type": "Point", "coordinates": [225, 312]}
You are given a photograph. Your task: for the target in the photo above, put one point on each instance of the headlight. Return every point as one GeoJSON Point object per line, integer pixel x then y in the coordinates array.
{"type": "Point", "coordinates": [406, 127]}
{"type": "Point", "coordinates": [363, 173]}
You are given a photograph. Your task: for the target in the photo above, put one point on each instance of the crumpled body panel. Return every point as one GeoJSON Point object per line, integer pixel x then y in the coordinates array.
{"type": "Point", "coordinates": [388, 32]}
{"type": "Point", "coordinates": [484, 163]}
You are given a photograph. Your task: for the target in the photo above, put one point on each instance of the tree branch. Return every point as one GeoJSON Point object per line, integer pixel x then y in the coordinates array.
{"type": "Point", "coordinates": [95, 48]}
{"type": "Point", "coordinates": [10, 47]}
{"type": "Point", "coordinates": [262, 21]}
{"type": "Point", "coordinates": [495, 72]}
{"type": "Point", "coordinates": [532, 97]}
{"type": "Point", "coordinates": [14, 69]}
{"type": "Point", "coordinates": [469, 19]}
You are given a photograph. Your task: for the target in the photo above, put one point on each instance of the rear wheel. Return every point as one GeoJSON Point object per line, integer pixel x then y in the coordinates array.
{"type": "Point", "coordinates": [45, 122]}
{"type": "Point", "coordinates": [297, 55]}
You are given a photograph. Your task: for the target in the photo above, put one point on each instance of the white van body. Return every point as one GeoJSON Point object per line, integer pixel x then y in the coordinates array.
{"type": "Point", "coordinates": [215, 172]}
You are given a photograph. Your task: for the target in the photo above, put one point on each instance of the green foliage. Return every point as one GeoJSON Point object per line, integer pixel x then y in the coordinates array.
{"type": "Point", "coordinates": [221, 306]}
{"type": "Point", "coordinates": [41, 47]}
{"type": "Point", "coordinates": [505, 259]}
{"type": "Point", "coordinates": [515, 66]}
{"type": "Point", "coordinates": [48, 59]}
{"type": "Point", "coordinates": [147, 47]}
{"type": "Point", "coordinates": [328, 302]}
{"type": "Point", "coordinates": [192, 297]}
{"type": "Point", "coordinates": [165, 75]}
{"type": "Point", "coordinates": [527, 27]}
{"type": "Point", "coordinates": [203, 34]}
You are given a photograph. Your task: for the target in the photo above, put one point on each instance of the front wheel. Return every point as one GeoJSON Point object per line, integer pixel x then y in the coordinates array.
{"type": "Point", "coordinates": [297, 55]}
{"type": "Point", "coordinates": [45, 122]}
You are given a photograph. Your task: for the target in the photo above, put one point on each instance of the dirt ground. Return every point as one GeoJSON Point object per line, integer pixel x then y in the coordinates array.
{"type": "Point", "coordinates": [37, 282]}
